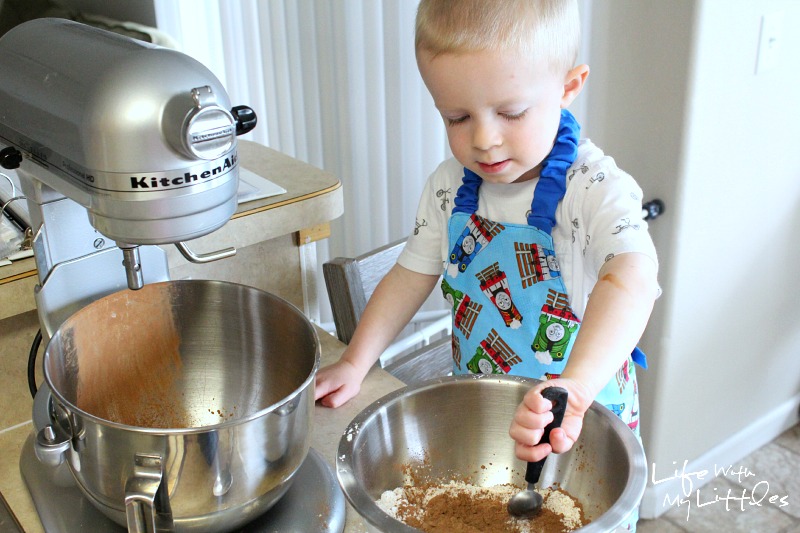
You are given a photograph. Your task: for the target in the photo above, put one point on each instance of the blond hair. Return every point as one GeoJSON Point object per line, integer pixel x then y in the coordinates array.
{"type": "Point", "coordinates": [546, 30]}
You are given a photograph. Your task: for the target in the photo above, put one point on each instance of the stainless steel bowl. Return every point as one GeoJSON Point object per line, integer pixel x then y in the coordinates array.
{"type": "Point", "coordinates": [186, 405]}
{"type": "Point", "coordinates": [459, 426]}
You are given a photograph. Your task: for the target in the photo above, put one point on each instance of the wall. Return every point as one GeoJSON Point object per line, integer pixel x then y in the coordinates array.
{"type": "Point", "coordinates": [675, 98]}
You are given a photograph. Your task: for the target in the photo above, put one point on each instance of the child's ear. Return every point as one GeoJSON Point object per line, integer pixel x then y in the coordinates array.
{"type": "Point", "coordinates": [573, 84]}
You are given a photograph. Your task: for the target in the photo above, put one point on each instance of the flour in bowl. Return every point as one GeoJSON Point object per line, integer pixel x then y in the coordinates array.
{"type": "Point", "coordinates": [460, 506]}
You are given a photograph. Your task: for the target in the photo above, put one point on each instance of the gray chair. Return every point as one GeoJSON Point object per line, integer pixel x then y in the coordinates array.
{"type": "Point", "coordinates": [350, 282]}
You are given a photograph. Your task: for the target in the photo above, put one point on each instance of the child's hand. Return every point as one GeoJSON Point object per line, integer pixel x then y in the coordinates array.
{"type": "Point", "coordinates": [533, 414]}
{"type": "Point", "coordinates": [337, 383]}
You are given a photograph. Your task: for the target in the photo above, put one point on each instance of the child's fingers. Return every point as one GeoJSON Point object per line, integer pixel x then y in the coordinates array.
{"type": "Point", "coordinates": [331, 400]}
{"type": "Point", "coordinates": [528, 448]}
{"type": "Point", "coordinates": [525, 436]}
{"type": "Point", "coordinates": [530, 419]}
{"type": "Point", "coordinates": [527, 427]}
{"type": "Point", "coordinates": [338, 397]}
{"type": "Point", "coordinates": [531, 454]}
{"type": "Point", "coordinates": [333, 388]}
{"type": "Point", "coordinates": [560, 441]}
{"type": "Point", "coordinates": [535, 402]}
{"type": "Point", "coordinates": [533, 418]}
{"type": "Point", "coordinates": [324, 385]}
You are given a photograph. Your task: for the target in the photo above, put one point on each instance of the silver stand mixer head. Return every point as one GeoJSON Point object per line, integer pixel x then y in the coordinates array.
{"type": "Point", "coordinates": [141, 138]}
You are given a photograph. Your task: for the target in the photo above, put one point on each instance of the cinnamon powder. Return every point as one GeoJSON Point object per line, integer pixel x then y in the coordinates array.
{"type": "Point", "coordinates": [453, 505]}
{"type": "Point", "coordinates": [127, 348]}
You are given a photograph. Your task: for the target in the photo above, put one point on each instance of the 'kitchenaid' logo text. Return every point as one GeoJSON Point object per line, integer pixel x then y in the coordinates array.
{"type": "Point", "coordinates": [210, 135]}
{"type": "Point", "coordinates": [153, 182]}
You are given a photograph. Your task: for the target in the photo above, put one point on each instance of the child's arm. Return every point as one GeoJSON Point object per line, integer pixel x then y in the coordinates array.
{"type": "Point", "coordinates": [615, 318]}
{"type": "Point", "coordinates": [395, 301]}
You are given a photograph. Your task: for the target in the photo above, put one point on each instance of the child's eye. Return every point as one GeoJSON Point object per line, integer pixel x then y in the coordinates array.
{"type": "Point", "coordinates": [513, 116]}
{"type": "Point", "coordinates": [456, 121]}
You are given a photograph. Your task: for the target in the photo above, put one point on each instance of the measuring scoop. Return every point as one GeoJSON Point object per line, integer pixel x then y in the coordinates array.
{"type": "Point", "coordinates": [527, 503]}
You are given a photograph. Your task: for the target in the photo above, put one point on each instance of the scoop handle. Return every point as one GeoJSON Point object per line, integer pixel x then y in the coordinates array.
{"type": "Point", "coordinates": [558, 397]}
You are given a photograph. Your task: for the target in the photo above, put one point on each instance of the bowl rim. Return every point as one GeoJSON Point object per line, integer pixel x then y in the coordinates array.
{"type": "Point", "coordinates": [366, 507]}
{"type": "Point", "coordinates": [306, 386]}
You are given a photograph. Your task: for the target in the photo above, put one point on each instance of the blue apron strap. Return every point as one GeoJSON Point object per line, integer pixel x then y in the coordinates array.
{"type": "Point", "coordinates": [639, 357]}
{"type": "Point", "coordinates": [466, 200]}
{"type": "Point", "coordinates": [553, 177]}
{"type": "Point", "coordinates": [552, 183]}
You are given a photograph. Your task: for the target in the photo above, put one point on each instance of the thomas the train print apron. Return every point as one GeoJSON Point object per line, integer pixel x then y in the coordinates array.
{"type": "Point", "coordinates": [511, 312]}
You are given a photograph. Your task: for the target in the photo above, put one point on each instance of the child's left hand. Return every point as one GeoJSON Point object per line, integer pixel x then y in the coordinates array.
{"type": "Point", "coordinates": [534, 413]}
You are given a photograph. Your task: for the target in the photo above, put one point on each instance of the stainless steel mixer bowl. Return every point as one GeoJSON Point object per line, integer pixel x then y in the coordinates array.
{"type": "Point", "coordinates": [242, 380]}
{"type": "Point", "coordinates": [459, 426]}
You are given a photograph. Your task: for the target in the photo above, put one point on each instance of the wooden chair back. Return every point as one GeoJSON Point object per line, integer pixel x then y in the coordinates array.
{"type": "Point", "coordinates": [350, 281]}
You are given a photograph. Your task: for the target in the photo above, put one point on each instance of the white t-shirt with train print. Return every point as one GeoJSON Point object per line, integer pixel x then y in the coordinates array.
{"type": "Point", "coordinates": [599, 217]}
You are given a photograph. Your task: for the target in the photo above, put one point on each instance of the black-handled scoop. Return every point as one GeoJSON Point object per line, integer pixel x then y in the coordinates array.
{"type": "Point", "coordinates": [528, 503]}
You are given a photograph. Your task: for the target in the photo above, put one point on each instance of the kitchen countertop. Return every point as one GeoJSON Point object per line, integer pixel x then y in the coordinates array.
{"type": "Point", "coordinates": [329, 424]}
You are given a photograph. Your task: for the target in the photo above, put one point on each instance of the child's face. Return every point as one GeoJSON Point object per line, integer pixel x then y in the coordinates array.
{"type": "Point", "coordinates": [501, 113]}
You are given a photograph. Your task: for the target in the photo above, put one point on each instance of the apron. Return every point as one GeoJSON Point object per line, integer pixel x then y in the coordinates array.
{"type": "Point", "coordinates": [511, 312]}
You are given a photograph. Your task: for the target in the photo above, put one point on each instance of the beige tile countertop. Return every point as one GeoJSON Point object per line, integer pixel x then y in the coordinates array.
{"type": "Point", "coordinates": [329, 426]}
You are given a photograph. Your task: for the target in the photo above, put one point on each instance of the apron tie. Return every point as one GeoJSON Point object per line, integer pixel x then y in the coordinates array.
{"type": "Point", "coordinates": [466, 200]}
{"type": "Point", "coordinates": [553, 177]}
{"type": "Point", "coordinates": [552, 183]}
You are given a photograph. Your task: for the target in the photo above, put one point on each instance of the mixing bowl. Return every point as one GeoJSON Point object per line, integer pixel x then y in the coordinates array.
{"type": "Point", "coordinates": [186, 405]}
{"type": "Point", "coordinates": [459, 427]}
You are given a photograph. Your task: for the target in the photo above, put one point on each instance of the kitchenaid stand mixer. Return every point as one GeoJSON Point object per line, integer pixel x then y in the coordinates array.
{"type": "Point", "coordinates": [121, 146]}
{"type": "Point", "coordinates": [140, 138]}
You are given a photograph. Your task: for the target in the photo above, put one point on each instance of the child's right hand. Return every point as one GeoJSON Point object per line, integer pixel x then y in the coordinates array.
{"type": "Point", "coordinates": [535, 412]}
{"type": "Point", "coordinates": [337, 383]}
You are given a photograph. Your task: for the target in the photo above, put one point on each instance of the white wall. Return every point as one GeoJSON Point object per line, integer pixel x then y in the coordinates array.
{"type": "Point", "coordinates": [676, 100]}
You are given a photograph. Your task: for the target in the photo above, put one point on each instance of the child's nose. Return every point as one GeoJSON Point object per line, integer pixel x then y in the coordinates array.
{"type": "Point", "coordinates": [486, 135]}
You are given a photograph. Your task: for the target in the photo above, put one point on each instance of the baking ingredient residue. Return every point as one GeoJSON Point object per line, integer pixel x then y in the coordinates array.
{"type": "Point", "coordinates": [460, 506]}
{"type": "Point", "coordinates": [127, 349]}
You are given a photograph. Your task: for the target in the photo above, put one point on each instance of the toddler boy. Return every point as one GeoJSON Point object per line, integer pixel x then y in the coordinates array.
{"type": "Point", "coordinates": [541, 246]}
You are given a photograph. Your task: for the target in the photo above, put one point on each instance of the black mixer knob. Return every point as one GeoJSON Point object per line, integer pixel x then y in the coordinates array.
{"type": "Point", "coordinates": [245, 119]}
{"type": "Point", "coordinates": [10, 158]}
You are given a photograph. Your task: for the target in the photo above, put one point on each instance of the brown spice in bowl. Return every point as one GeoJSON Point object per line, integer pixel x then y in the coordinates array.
{"type": "Point", "coordinates": [450, 505]}
{"type": "Point", "coordinates": [127, 349]}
